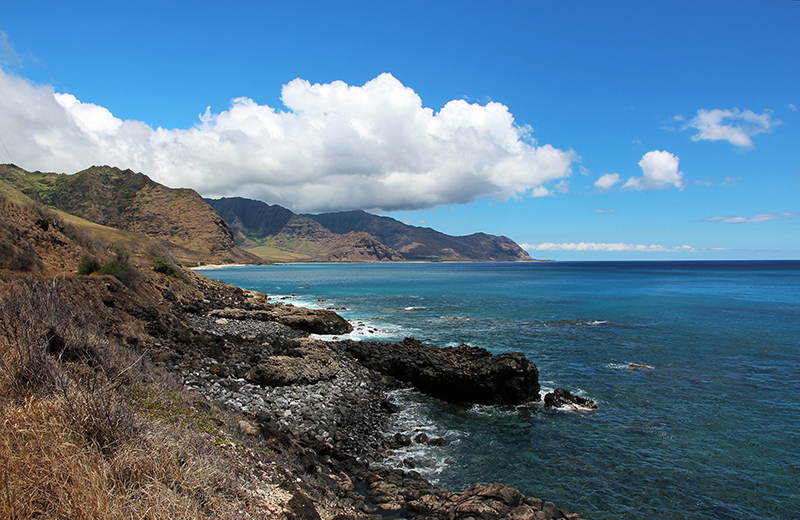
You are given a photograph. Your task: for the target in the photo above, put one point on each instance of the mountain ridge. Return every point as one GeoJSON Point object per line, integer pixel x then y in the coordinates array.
{"type": "Point", "coordinates": [256, 223]}
{"type": "Point", "coordinates": [238, 230]}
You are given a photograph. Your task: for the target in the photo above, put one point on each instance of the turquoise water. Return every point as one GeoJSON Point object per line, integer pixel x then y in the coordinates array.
{"type": "Point", "coordinates": [712, 431]}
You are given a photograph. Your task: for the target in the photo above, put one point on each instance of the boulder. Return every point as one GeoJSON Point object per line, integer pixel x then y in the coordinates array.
{"type": "Point", "coordinates": [457, 374]}
{"type": "Point", "coordinates": [314, 321]}
{"type": "Point", "coordinates": [563, 397]}
{"type": "Point", "coordinates": [307, 364]}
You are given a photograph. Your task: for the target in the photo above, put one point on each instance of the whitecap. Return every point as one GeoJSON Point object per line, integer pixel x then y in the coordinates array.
{"type": "Point", "coordinates": [369, 330]}
{"type": "Point", "coordinates": [629, 366]}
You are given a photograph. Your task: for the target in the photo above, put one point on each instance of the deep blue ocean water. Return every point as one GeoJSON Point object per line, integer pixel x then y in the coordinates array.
{"type": "Point", "coordinates": [711, 431]}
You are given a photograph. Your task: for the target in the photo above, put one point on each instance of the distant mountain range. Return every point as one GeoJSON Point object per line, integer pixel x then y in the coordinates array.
{"type": "Point", "coordinates": [194, 229]}
{"type": "Point", "coordinates": [267, 230]}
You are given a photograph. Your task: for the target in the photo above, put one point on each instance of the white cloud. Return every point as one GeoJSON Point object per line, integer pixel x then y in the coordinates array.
{"type": "Point", "coordinates": [613, 247]}
{"type": "Point", "coordinates": [727, 219]}
{"type": "Point", "coordinates": [604, 211]}
{"type": "Point", "coordinates": [734, 126]}
{"type": "Point", "coordinates": [540, 191]}
{"type": "Point", "coordinates": [607, 181]}
{"type": "Point", "coordinates": [335, 147]}
{"type": "Point", "coordinates": [660, 171]}
{"type": "Point", "coordinates": [792, 107]}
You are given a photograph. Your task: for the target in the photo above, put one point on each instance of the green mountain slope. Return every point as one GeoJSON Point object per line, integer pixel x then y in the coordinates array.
{"type": "Point", "coordinates": [133, 202]}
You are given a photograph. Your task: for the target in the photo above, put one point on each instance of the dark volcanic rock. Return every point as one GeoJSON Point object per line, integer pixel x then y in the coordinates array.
{"type": "Point", "coordinates": [315, 321]}
{"type": "Point", "coordinates": [561, 397]}
{"type": "Point", "coordinates": [305, 366]}
{"type": "Point", "coordinates": [456, 374]}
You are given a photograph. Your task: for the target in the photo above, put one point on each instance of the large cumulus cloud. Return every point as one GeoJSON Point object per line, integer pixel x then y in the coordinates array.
{"type": "Point", "coordinates": [335, 147]}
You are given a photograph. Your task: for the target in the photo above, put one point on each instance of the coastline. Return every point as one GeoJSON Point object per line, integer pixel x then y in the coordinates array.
{"type": "Point", "coordinates": [336, 422]}
{"type": "Point", "coordinates": [433, 261]}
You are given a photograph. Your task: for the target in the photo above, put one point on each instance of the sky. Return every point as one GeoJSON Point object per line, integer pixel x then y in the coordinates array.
{"type": "Point", "coordinates": [582, 130]}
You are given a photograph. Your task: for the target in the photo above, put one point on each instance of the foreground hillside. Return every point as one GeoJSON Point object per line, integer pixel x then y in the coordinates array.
{"type": "Point", "coordinates": [142, 390]}
{"type": "Point", "coordinates": [275, 233]}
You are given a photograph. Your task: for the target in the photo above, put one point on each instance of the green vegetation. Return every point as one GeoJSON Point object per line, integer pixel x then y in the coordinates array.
{"type": "Point", "coordinates": [164, 266]}
{"type": "Point", "coordinates": [88, 265]}
{"type": "Point", "coordinates": [163, 262]}
{"type": "Point", "coordinates": [120, 267]}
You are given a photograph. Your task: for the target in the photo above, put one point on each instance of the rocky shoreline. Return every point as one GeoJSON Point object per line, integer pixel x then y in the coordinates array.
{"type": "Point", "coordinates": [327, 404]}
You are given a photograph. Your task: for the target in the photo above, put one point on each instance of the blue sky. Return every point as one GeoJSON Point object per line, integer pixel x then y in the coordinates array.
{"type": "Point", "coordinates": [583, 130]}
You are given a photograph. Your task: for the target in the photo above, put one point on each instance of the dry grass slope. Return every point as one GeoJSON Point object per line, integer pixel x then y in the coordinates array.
{"type": "Point", "coordinates": [75, 438]}
{"type": "Point", "coordinates": [89, 427]}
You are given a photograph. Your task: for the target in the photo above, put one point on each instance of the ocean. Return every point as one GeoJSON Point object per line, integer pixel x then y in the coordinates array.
{"type": "Point", "coordinates": [694, 366]}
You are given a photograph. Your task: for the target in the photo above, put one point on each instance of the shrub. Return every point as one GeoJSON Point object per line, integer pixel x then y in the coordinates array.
{"type": "Point", "coordinates": [120, 267]}
{"type": "Point", "coordinates": [164, 266]}
{"type": "Point", "coordinates": [163, 262]}
{"type": "Point", "coordinates": [88, 265]}
{"type": "Point", "coordinates": [113, 268]}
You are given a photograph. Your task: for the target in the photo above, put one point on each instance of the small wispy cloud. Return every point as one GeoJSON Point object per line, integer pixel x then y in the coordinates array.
{"type": "Point", "coordinates": [728, 219]}
{"type": "Point", "coordinates": [792, 107]}
{"type": "Point", "coordinates": [602, 246]}
{"type": "Point", "coordinates": [732, 125]}
{"type": "Point", "coordinates": [8, 54]}
{"type": "Point", "coordinates": [604, 211]}
{"type": "Point", "coordinates": [726, 182]}
{"type": "Point", "coordinates": [606, 181]}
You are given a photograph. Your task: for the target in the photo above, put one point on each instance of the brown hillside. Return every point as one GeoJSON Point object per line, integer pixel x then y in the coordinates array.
{"type": "Point", "coordinates": [308, 238]}
{"type": "Point", "coordinates": [130, 201]}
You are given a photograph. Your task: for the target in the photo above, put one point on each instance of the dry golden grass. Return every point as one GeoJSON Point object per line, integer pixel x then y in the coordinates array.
{"type": "Point", "coordinates": [53, 468]}
{"type": "Point", "coordinates": [79, 439]}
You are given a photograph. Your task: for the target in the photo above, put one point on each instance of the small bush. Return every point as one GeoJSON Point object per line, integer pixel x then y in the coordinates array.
{"type": "Point", "coordinates": [114, 268]}
{"type": "Point", "coordinates": [120, 267]}
{"type": "Point", "coordinates": [88, 265]}
{"type": "Point", "coordinates": [162, 261]}
{"type": "Point", "coordinates": [164, 266]}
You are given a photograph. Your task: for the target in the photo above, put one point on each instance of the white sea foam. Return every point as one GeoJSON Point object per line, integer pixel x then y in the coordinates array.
{"type": "Point", "coordinates": [413, 419]}
{"type": "Point", "coordinates": [366, 329]}
{"type": "Point", "coordinates": [629, 366]}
